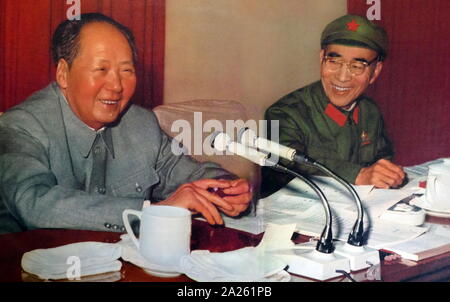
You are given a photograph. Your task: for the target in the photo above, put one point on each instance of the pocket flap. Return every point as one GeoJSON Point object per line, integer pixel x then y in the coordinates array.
{"type": "Point", "coordinates": [135, 185]}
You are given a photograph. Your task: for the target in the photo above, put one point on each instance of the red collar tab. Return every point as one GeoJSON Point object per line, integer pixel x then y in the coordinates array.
{"type": "Point", "coordinates": [356, 115]}
{"type": "Point", "coordinates": [340, 118]}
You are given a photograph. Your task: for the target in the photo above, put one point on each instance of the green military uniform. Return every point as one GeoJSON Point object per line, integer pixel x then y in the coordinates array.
{"type": "Point", "coordinates": [343, 141]}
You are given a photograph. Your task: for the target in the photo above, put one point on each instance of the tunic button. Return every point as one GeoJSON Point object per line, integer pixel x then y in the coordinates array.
{"type": "Point", "coordinates": [101, 190]}
{"type": "Point", "coordinates": [115, 227]}
{"type": "Point", "coordinates": [107, 225]}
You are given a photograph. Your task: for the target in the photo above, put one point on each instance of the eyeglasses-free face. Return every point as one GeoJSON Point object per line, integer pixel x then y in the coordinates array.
{"type": "Point", "coordinates": [344, 85]}
{"type": "Point", "coordinates": [102, 79]}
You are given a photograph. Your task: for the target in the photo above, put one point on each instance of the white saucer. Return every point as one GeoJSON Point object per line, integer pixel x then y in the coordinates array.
{"type": "Point", "coordinates": [438, 214]}
{"type": "Point", "coordinates": [161, 273]}
{"type": "Point", "coordinates": [421, 202]}
{"type": "Point", "coordinates": [154, 269]}
{"type": "Point", "coordinates": [131, 254]}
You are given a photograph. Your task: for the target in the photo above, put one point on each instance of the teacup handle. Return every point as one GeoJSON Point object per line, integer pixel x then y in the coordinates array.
{"type": "Point", "coordinates": [431, 188]}
{"type": "Point", "coordinates": [127, 225]}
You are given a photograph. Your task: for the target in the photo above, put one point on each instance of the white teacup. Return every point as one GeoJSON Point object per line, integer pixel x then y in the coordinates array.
{"type": "Point", "coordinates": [437, 192]}
{"type": "Point", "coordinates": [164, 234]}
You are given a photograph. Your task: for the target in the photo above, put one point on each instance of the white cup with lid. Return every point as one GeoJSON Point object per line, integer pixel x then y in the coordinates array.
{"type": "Point", "coordinates": [164, 235]}
{"type": "Point", "coordinates": [437, 192]}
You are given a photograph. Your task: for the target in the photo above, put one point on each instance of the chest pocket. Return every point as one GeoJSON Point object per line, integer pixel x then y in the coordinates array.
{"type": "Point", "coordinates": [367, 152]}
{"type": "Point", "coordinates": [136, 185]}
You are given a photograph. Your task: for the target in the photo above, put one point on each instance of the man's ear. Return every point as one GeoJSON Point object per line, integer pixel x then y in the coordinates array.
{"type": "Point", "coordinates": [62, 72]}
{"type": "Point", "coordinates": [321, 55]}
{"type": "Point", "coordinates": [376, 72]}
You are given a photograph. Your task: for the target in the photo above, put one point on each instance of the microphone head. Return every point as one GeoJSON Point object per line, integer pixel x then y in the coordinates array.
{"type": "Point", "coordinates": [247, 136]}
{"type": "Point", "coordinates": [220, 141]}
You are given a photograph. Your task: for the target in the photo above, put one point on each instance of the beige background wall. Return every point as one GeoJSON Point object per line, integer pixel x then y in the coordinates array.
{"type": "Point", "coordinates": [253, 51]}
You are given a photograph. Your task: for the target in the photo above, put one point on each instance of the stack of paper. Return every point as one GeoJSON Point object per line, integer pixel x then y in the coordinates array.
{"type": "Point", "coordinates": [297, 203]}
{"type": "Point", "coordinates": [435, 242]}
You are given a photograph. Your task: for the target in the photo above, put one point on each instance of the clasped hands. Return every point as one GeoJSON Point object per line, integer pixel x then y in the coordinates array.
{"type": "Point", "coordinates": [200, 197]}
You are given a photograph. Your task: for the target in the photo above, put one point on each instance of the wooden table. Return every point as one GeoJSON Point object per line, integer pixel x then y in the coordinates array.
{"type": "Point", "coordinates": [204, 236]}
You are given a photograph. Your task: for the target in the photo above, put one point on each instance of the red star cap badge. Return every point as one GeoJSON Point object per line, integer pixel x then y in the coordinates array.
{"type": "Point", "coordinates": [353, 26]}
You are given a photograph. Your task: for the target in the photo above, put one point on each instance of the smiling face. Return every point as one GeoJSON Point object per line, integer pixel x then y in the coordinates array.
{"type": "Point", "coordinates": [101, 80]}
{"type": "Point", "coordinates": [341, 87]}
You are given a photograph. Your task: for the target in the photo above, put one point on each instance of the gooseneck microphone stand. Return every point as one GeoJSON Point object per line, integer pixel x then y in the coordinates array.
{"type": "Point", "coordinates": [325, 243]}
{"type": "Point", "coordinates": [356, 237]}
{"type": "Point", "coordinates": [360, 256]}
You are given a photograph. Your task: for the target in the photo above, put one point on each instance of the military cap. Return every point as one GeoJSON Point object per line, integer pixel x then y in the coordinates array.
{"type": "Point", "coordinates": [354, 30]}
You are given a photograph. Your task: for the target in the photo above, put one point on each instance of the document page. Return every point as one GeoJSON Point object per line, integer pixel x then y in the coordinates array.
{"type": "Point", "coordinates": [434, 242]}
{"type": "Point", "coordinates": [375, 201]}
{"type": "Point", "coordinates": [309, 216]}
{"type": "Point", "coordinates": [297, 203]}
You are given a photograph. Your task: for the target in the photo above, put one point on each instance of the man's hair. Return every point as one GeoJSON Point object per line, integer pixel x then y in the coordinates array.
{"type": "Point", "coordinates": [66, 38]}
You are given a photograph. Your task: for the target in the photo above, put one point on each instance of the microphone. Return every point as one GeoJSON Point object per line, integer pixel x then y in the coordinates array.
{"type": "Point", "coordinates": [222, 142]}
{"type": "Point", "coordinates": [320, 263]}
{"type": "Point", "coordinates": [248, 137]}
{"type": "Point", "coordinates": [359, 255]}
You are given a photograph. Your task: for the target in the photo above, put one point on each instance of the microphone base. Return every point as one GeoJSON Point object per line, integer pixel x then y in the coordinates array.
{"type": "Point", "coordinates": [316, 265]}
{"type": "Point", "coordinates": [359, 256]}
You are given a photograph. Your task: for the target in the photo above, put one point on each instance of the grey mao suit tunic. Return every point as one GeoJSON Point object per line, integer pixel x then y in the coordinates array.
{"type": "Point", "coordinates": [46, 163]}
